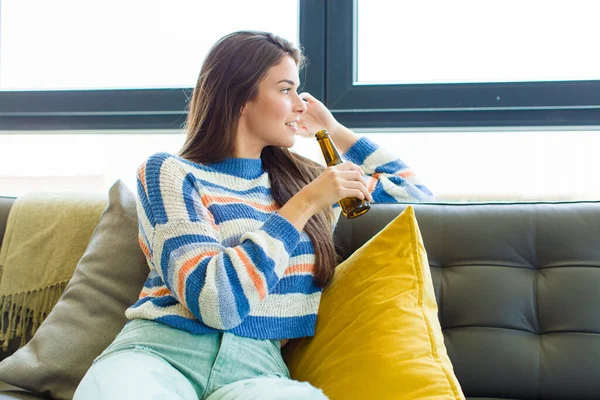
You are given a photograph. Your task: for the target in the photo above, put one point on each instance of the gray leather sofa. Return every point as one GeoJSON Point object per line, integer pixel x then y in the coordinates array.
{"type": "Point", "coordinates": [518, 288]}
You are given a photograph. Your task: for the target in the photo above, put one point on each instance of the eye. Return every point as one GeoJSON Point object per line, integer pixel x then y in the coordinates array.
{"type": "Point", "coordinates": [286, 90]}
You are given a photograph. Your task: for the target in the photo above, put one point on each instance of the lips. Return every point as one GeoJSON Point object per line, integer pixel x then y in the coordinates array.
{"type": "Point", "coordinates": [293, 123]}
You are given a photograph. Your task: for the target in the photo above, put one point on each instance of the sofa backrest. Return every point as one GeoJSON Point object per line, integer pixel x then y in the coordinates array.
{"type": "Point", "coordinates": [518, 289]}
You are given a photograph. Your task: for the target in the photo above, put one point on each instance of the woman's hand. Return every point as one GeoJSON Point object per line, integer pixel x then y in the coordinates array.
{"type": "Point", "coordinates": [335, 183]}
{"type": "Point", "coordinates": [332, 185]}
{"type": "Point", "coordinates": [316, 117]}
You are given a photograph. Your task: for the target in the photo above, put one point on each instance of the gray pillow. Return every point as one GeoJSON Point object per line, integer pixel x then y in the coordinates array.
{"type": "Point", "coordinates": [91, 311]}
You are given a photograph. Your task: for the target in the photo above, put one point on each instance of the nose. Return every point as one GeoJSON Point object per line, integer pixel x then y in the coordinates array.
{"type": "Point", "coordinates": [300, 106]}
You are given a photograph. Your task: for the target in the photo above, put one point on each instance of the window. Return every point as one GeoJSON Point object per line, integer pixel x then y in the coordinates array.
{"type": "Point", "coordinates": [116, 44]}
{"type": "Point", "coordinates": [473, 129]}
{"type": "Point", "coordinates": [470, 41]}
{"type": "Point", "coordinates": [115, 64]}
{"type": "Point", "coordinates": [462, 63]}
{"type": "Point", "coordinates": [89, 89]}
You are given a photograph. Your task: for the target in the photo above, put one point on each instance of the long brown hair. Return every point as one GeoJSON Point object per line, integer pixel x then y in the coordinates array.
{"type": "Point", "coordinates": [228, 79]}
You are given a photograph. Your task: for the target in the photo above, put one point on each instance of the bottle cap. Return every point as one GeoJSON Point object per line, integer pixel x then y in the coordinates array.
{"type": "Point", "coordinates": [322, 134]}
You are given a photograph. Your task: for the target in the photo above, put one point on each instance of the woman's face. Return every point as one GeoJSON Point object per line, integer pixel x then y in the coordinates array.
{"type": "Point", "coordinates": [270, 120]}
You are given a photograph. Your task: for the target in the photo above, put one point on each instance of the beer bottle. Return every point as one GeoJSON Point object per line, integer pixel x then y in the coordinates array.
{"type": "Point", "coordinates": [352, 207]}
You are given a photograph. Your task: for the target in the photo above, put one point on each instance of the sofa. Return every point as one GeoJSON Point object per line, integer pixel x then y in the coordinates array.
{"type": "Point", "coordinates": [517, 287]}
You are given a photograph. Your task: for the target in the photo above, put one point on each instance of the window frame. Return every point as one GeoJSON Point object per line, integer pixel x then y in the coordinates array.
{"type": "Point", "coordinates": [325, 28]}
{"type": "Point", "coordinates": [563, 103]}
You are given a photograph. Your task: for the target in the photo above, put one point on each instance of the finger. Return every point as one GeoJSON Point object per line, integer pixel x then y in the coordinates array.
{"type": "Point", "coordinates": [309, 98]}
{"type": "Point", "coordinates": [349, 165]}
{"type": "Point", "coordinates": [350, 175]}
{"type": "Point", "coordinates": [362, 188]}
{"type": "Point", "coordinates": [355, 186]}
{"type": "Point", "coordinates": [347, 191]}
{"type": "Point", "coordinates": [357, 193]}
{"type": "Point", "coordinates": [354, 175]}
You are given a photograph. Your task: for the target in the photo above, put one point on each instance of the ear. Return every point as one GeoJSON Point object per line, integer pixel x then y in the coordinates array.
{"type": "Point", "coordinates": [247, 105]}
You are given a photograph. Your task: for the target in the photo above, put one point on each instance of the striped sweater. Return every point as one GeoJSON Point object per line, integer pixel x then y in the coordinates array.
{"type": "Point", "coordinates": [222, 259]}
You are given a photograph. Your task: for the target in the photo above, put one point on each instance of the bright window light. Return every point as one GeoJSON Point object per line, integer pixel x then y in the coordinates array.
{"type": "Point", "coordinates": [123, 44]}
{"type": "Point", "coordinates": [464, 41]}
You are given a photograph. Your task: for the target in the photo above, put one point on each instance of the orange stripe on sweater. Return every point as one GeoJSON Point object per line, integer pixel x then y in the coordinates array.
{"type": "Point", "coordinates": [143, 246]}
{"type": "Point", "coordinates": [189, 264]}
{"type": "Point", "coordinates": [300, 268]}
{"type": "Point", "coordinates": [258, 283]}
{"type": "Point", "coordinates": [156, 293]}
{"type": "Point", "coordinates": [374, 179]}
{"type": "Point", "coordinates": [406, 173]}
{"type": "Point", "coordinates": [142, 174]}
{"type": "Point", "coordinates": [208, 199]}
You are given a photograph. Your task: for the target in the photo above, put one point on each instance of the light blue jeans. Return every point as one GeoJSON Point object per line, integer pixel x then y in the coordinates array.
{"type": "Point", "coordinates": [149, 360]}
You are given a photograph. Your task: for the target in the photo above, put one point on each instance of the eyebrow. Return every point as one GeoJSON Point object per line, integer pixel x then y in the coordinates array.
{"type": "Point", "coordinates": [286, 81]}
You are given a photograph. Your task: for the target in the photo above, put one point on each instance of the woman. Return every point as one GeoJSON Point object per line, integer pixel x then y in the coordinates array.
{"type": "Point", "coordinates": [237, 231]}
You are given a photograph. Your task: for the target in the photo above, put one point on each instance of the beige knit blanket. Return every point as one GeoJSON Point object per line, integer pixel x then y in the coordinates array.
{"type": "Point", "coordinates": [46, 235]}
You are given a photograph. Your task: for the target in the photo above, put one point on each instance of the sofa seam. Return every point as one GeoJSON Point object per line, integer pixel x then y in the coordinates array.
{"type": "Point", "coordinates": [535, 299]}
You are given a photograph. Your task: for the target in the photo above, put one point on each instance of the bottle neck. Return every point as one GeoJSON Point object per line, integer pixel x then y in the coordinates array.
{"type": "Point", "coordinates": [330, 153]}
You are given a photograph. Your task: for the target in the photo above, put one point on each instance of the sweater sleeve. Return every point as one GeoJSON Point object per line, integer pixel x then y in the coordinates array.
{"type": "Point", "coordinates": [389, 179]}
{"type": "Point", "coordinates": [219, 285]}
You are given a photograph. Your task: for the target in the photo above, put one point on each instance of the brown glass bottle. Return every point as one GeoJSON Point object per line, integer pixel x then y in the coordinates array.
{"type": "Point", "coordinates": [352, 207]}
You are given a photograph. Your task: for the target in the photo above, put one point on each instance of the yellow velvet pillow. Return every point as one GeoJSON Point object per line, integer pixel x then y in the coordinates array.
{"type": "Point", "coordinates": [377, 333]}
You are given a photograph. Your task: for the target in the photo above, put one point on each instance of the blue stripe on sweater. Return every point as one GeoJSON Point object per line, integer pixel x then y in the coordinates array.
{"type": "Point", "coordinates": [153, 282]}
{"type": "Point", "coordinates": [255, 327]}
{"type": "Point", "coordinates": [414, 191]}
{"type": "Point", "coordinates": [190, 197]}
{"type": "Point", "coordinates": [144, 200]}
{"type": "Point", "coordinates": [175, 243]}
{"type": "Point", "coordinates": [296, 284]}
{"type": "Point", "coordinates": [141, 301]}
{"type": "Point", "coordinates": [224, 189]}
{"type": "Point", "coordinates": [153, 167]}
{"type": "Point", "coordinates": [233, 304]}
{"type": "Point", "coordinates": [229, 212]}
{"type": "Point", "coordinates": [161, 302]}
{"type": "Point", "coordinates": [280, 228]}
{"type": "Point", "coordinates": [185, 324]}
{"type": "Point", "coordinates": [142, 233]}
{"type": "Point", "coordinates": [425, 190]}
{"type": "Point", "coordinates": [165, 301]}
{"type": "Point", "coordinates": [194, 284]}
{"type": "Point", "coordinates": [398, 181]}
{"type": "Point", "coordinates": [360, 150]}
{"type": "Point", "coordinates": [261, 260]}
{"type": "Point", "coordinates": [381, 196]}
{"type": "Point", "coordinates": [304, 247]}
{"type": "Point", "coordinates": [391, 167]}
{"type": "Point", "coordinates": [274, 327]}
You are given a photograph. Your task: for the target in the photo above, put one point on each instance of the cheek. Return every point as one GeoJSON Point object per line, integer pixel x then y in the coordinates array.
{"type": "Point", "coordinates": [279, 109]}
